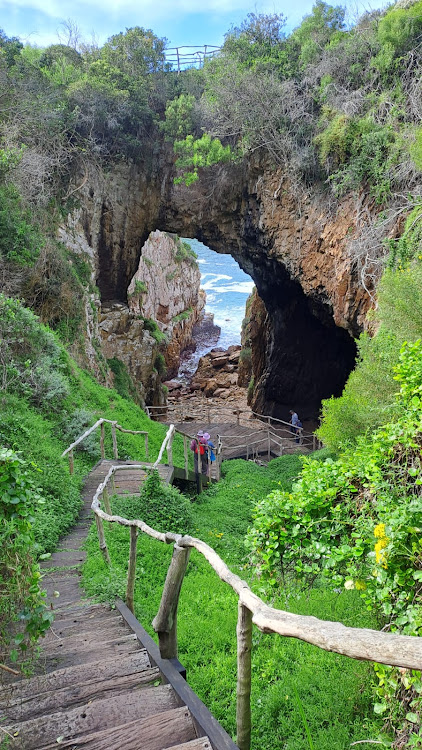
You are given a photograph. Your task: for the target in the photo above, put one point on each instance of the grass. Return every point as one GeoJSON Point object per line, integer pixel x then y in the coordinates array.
{"type": "Point", "coordinates": [301, 696]}
{"type": "Point", "coordinates": [39, 437]}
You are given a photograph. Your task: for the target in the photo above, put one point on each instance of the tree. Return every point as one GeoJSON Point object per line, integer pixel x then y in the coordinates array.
{"type": "Point", "coordinates": [317, 29]}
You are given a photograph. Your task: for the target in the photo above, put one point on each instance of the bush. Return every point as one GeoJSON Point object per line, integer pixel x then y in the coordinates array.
{"type": "Point", "coordinates": [21, 599]}
{"type": "Point", "coordinates": [20, 241]}
{"type": "Point", "coordinates": [31, 361]}
{"type": "Point", "coordinates": [356, 521]}
{"type": "Point", "coordinates": [162, 506]}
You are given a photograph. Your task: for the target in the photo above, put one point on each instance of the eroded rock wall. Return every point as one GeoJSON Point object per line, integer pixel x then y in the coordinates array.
{"type": "Point", "coordinates": [296, 247]}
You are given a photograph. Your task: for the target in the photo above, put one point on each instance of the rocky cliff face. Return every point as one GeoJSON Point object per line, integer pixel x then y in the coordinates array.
{"type": "Point", "coordinates": [295, 247]}
{"type": "Point", "coordinates": [166, 289]}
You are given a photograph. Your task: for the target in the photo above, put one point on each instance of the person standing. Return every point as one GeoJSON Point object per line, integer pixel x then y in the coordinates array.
{"type": "Point", "coordinates": [199, 447]}
{"type": "Point", "coordinates": [296, 425]}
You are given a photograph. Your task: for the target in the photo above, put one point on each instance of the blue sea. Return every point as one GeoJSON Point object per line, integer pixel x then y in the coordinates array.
{"type": "Point", "coordinates": [227, 288]}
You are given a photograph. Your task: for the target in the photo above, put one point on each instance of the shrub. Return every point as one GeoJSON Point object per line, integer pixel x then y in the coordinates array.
{"type": "Point", "coordinates": [160, 364]}
{"type": "Point", "coordinates": [123, 383]}
{"type": "Point", "coordinates": [162, 506]}
{"type": "Point", "coordinates": [21, 599]}
{"type": "Point", "coordinates": [356, 521]}
{"type": "Point", "coordinates": [31, 362]}
{"type": "Point", "coordinates": [20, 241]}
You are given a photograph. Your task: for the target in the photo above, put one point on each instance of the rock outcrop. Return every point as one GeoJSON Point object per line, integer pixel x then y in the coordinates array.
{"type": "Point", "coordinates": [296, 247]}
{"type": "Point", "coordinates": [166, 289]}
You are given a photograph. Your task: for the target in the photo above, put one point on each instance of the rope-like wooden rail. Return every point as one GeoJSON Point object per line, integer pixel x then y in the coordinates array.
{"type": "Point", "coordinates": [101, 423]}
{"type": "Point", "coordinates": [357, 643]}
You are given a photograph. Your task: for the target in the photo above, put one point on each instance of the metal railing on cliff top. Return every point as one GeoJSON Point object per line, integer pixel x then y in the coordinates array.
{"type": "Point", "coordinates": [190, 56]}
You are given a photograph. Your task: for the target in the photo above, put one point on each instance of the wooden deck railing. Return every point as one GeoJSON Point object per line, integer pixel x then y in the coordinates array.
{"type": "Point", "coordinates": [357, 643]}
{"type": "Point", "coordinates": [212, 413]}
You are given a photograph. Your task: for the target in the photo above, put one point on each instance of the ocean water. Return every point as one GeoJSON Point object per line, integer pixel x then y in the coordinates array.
{"type": "Point", "coordinates": [227, 288]}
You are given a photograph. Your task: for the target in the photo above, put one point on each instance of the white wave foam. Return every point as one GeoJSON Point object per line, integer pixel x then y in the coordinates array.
{"type": "Point", "coordinates": [242, 287]}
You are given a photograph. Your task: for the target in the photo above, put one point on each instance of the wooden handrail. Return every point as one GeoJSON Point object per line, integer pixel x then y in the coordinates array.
{"type": "Point", "coordinates": [357, 643]}
{"type": "Point", "coordinates": [100, 423]}
{"type": "Point", "coordinates": [200, 411]}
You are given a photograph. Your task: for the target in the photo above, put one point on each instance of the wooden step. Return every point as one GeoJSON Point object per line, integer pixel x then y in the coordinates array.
{"type": "Point", "coordinates": [93, 717]}
{"type": "Point", "coordinates": [164, 730]}
{"type": "Point", "coordinates": [112, 668]}
{"type": "Point", "coordinates": [60, 659]}
{"type": "Point", "coordinates": [66, 640]}
{"type": "Point", "coordinates": [201, 743]}
{"type": "Point", "coordinates": [46, 703]}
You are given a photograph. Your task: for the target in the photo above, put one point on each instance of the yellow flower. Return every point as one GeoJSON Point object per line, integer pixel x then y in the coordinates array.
{"type": "Point", "coordinates": [380, 555]}
{"type": "Point", "coordinates": [360, 585]}
{"type": "Point", "coordinates": [379, 531]}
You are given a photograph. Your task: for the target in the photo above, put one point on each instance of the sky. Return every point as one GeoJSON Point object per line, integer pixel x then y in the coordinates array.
{"type": "Point", "coordinates": [181, 22]}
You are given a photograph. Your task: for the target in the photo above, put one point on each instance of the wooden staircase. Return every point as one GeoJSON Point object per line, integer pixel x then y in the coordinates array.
{"type": "Point", "coordinates": [96, 686]}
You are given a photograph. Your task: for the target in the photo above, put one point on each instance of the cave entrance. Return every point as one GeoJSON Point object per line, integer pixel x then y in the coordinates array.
{"type": "Point", "coordinates": [303, 357]}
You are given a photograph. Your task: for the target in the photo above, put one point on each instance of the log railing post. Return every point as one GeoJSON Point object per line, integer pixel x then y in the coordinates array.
{"type": "Point", "coordinates": [185, 450]}
{"type": "Point", "coordinates": [269, 444]}
{"type": "Point", "coordinates": [170, 450]}
{"type": "Point", "coordinates": [130, 589]}
{"type": "Point", "coordinates": [243, 700]}
{"type": "Point", "coordinates": [71, 463]}
{"type": "Point", "coordinates": [102, 540]}
{"type": "Point", "coordinates": [238, 417]}
{"type": "Point", "coordinates": [106, 501]}
{"type": "Point", "coordinates": [114, 438]}
{"type": "Point", "coordinates": [165, 622]}
{"type": "Point", "coordinates": [102, 436]}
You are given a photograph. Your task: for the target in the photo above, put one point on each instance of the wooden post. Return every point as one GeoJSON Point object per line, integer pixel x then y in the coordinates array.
{"type": "Point", "coordinates": [113, 484]}
{"type": "Point", "coordinates": [101, 539]}
{"type": "Point", "coordinates": [170, 450]}
{"type": "Point", "coordinates": [243, 704]}
{"type": "Point", "coordinates": [146, 446]}
{"type": "Point", "coordinates": [269, 444]}
{"type": "Point", "coordinates": [106, 501]}
{"type": "Point", "coordinates": [113, 435]}
{"type": "Point", "coordinates": [238, 417]}
{"type": "Point", "coordinates": [71, 464]}
{"type": "Point", "coordinates": [130, 589]}
{"type": "Point", "coordinates": [247, 451]}
{"type": "Point", "coordinates": [102, 435]}
{"type": "Point", "coordinates": [185, 450]}
{"type": "Point", "coordinates": [165, 622]}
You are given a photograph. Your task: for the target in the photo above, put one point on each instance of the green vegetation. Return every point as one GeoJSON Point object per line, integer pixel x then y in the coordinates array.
{"type": "Point", "coordinates": [21, 600]}
{"type": "Point", "coordinates": [123, 383]}
{"type": "Point", "coordinates": [196, 153]}
{"type": "Point", "coordinates": [184, 252]}
{"type": "Point", "coordinates": [330, 687]}
{"type": "Point", "coordinates": [184, 315]}
{"type": "Point", "coordinates": [368, 397]}
{"type": "Point", "coordinates": [152, 326]}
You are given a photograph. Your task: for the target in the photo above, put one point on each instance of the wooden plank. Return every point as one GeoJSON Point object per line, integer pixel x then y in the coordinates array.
{"type": "Point", "coordinates": [156, 733]}
{"type": "Point", "coordinates": [201, 743]}
{"type": "Point", "coordinates": [61, 660]}
{"type": "Point", "coordinates": [23, 709]}
{"type": "Point", "coordinates": [70, 640]}
{"type": "Point", "coordinates": [93, 717]}
{"type": "Point", "coordinates": [112, 668]}
{"type": "Point", "coordinates": [65, 628]}
{"type": "Point", "coordinates": [205, 723]}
